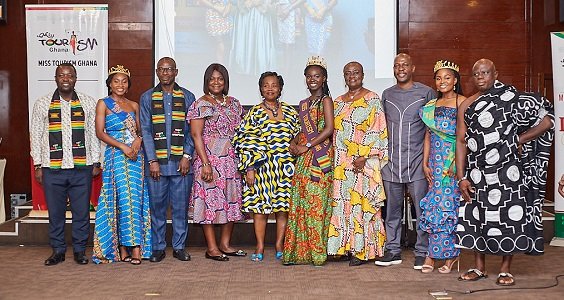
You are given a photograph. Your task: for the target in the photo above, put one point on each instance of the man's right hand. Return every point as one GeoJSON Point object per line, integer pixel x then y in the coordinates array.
{"type": "Point", "coordinates": [465, 189]}
{"type": "Point", "coordinates": [155, 170]}
{"type": "Point", "coordinates": [39, 175]}
{"type": "Point", "coordinates": [250, 178]}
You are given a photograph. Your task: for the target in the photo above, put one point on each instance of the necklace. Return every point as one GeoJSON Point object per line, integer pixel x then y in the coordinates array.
{"type": "Point", "coordinates": [351, 96]}
{"type": "Point", "coordinates": [222, 102]}
{"type": "Point", "coordinates": [274, 110]}
{"type": "Point", "coordinates": [315, 101]}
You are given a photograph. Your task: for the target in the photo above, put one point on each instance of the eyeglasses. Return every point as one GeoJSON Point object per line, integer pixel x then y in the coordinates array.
{"type": "Point", "coordinates": [166, 70]}
{"type": "Point", "coordinates": [483, 73]}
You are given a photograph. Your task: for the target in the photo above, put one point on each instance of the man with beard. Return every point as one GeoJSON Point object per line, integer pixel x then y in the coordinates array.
{"type": "Point", "coordinates": [168, 149]}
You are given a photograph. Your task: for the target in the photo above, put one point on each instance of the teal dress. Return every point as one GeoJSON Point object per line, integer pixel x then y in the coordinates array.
{"type": "Point", "coordinates": [122, 215]}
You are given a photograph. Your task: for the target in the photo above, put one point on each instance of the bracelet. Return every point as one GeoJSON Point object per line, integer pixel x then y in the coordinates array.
{"type": "Point", "coordinates": [187, 156]}
{"type": "Point", "coordinates": [461, 180]}
{"type": "Point", "coordinates": [97, 165]}
{"type": "Point", "coordinates": [153, 160]}
{"type": "Point", "coordinates": [206, 164]}
{"type": "Point", "coordinates": [37, 167]}
{"type": "Point", "coordinates": [250, 169]}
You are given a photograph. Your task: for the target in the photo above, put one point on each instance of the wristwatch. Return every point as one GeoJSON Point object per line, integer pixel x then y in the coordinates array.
{"type": "Point", "coordinates": [97, 165]}
{"type": "Point", "coordinates": [187, 156]}
{"type": "Point", "coordinates": [308, 144]}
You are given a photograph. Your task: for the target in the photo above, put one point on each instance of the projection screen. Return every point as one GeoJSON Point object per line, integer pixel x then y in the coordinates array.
{"type": "Point", "coordinates": [253, 36]}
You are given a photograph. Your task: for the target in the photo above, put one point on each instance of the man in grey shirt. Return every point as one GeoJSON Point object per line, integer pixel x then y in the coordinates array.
{"type": "Point", "coordinates": [406, 134]}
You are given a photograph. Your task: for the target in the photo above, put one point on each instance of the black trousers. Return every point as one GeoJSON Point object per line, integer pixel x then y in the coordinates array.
{"type": "Point", "coordinates": [75, 185]}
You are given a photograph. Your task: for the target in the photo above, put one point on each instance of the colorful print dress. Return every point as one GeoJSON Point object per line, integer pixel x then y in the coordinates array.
{"type": "Point", "coordinates": [356, 223]}
{"type": "Point", "coordinates": [310, 205]}
{"type": "Point", "coordinates": [122, 214]}
{"type": "Point", "coordinates": [216, 24]}
{"type": "Point", "coordinates": [439, 216]}
{"type": "Point", "coordinates": [219, 201]}
{"type": "Point", "coordinates": [262, 144]}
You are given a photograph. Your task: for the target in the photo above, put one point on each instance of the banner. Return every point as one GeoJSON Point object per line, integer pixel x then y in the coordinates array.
{"type": "Point", "coordinates": [76, 34]}
{"type": "Point", "coordinates": [557, 40]}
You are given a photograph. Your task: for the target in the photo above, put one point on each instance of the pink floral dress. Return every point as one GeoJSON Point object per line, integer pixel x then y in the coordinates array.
{"type": "Point", "coordinates": [219, 201]}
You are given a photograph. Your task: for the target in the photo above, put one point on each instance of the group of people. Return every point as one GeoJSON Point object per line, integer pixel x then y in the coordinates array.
{"type": "Point", "coordinates": [474, 167]}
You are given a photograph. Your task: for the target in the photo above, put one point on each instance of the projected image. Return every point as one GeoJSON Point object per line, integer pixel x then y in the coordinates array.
{"type": "Point", "coordinates": [253, 36]}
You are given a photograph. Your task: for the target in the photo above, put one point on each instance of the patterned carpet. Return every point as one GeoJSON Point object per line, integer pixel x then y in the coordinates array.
{"type": "Point", "coordinates": [23, 276]}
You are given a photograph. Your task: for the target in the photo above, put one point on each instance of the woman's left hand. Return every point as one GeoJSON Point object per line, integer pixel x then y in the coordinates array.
{"type": "Point", "coordinates": [207, 173]}
{"type": "Point", "coordinates": [359, 163]}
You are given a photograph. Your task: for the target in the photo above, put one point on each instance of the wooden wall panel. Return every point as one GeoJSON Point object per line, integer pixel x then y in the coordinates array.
{"type": "Point", "coordinates": [467, 11]}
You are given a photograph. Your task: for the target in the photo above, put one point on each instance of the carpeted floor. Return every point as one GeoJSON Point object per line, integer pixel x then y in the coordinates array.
{"type": "Point", "coordinates": [23, 276]}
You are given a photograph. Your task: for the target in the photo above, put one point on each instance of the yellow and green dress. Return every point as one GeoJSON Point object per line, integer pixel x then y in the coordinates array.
{"type": "Point", "coordinates": [356, 225]}
{"type": "Point", "coordinates": [263, 144]}
{"type": "Point", "coordinates": [305, 241]}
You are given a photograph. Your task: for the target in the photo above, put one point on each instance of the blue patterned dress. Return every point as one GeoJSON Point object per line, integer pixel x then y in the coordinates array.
{"type": "Point", "coordinates": [122, 215]}
{"type": "Point", "coordinates": [439, 215]}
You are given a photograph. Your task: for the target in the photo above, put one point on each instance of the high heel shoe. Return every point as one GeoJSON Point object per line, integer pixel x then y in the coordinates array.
{"type": "Point", "coordinates": [279, 255]}
{"type": "Point", "coordinates": [447, 268]}
{"type": "Point", "coordinates": [256, 257]}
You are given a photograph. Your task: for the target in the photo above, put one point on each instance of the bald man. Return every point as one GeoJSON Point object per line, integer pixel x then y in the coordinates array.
{"type": "Point", "coordinates": [406, 135]}
{"type": "Point", "coordinates": [502, 152]}
{"type": "Point", "coordinates": [168, 148]}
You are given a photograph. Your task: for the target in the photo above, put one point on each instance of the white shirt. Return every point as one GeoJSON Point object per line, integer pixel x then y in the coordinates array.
{"type": "Point", "coordinates": [40, 131]}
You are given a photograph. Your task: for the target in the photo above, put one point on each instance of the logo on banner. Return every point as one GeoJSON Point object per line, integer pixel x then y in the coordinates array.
{"type": "Point", "coordinates": [70, 42]}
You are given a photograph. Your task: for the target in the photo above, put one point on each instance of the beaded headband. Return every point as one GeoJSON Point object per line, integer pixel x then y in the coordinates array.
{"type": "Point", "coordinates": [316, 61]}
{"type": "Point", "coordinates": [119, 69]}
{"type": "Point", "coordinates": [445, 64]}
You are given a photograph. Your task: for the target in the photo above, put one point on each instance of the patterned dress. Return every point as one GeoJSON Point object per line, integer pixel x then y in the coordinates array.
{"type": "Point", "coordinates": [122, 215]}
{"type": "Point", "coordinates": [310, 206]}
{"type": "Point", "coordinates": [318, 31]}
{"type": "Point", "coordinates": [356, 223]}
{"type": "Point", "coordinates": [504, 216]}
{"type": "Point", "coordinates": [216, 24]}
{"type": "Point", "coordinates": [263, 144]}
{"type": "Point", "coordinates": [219, 201]}
{"type": "Point", "coordinates": [439, 215]}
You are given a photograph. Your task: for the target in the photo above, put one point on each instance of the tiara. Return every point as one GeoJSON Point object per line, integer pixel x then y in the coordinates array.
{"type": "Point", "coordinates": [445, 64]}
{"type": "Point", "coordinates": [119, 69]}
{"type": "Point", "coordinates": [316, 61]}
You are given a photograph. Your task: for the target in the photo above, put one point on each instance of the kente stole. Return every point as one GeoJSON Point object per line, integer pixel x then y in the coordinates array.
{"type": "Point", "coordinates": [309, 119]}
{"type": "Point", "coordinates": [428, 117]}
{"type": "Point", "coordinates": [56, 132]}
{"type": "Point", "coordinates": [159, 125]}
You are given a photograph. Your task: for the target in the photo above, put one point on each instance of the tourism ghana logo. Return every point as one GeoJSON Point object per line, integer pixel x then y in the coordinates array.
{"type": "Point", "coordinates": [71, 42]}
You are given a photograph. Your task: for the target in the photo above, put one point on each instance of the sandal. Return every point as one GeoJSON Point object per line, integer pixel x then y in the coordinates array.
{"type": "Point", "coordinates": [135, 261]}
{"type": "Point", "coordinates": [448, 267]}
{"type": "Point", "coordinates": [505, 279]}
{"type": "Point", "coordinates": [479, 275]}
{"type": "Point", "coordinates": [427, 269]}
{"type": "Point", "coordinates": [239, 252]}
{"type": "Point", "coordinates": [126, 259]}
{"type": "Point", "coordinates": [256, 257]}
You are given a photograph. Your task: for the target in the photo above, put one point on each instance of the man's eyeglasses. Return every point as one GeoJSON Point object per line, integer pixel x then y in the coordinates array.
{"type": "Point", "coordinates": [483, 73]}
{"type": "Point", "coordinates": [166, 70]}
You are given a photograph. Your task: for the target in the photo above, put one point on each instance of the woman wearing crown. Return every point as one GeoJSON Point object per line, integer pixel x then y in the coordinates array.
{"type": "Point", "coordinates": [310, 203]}
{"type": "Point", "coordinates": [439, 215]}
{"type": "Point", "coordinates": [360, 141]}
{"type": "Point", "coordinates": [123, 225]}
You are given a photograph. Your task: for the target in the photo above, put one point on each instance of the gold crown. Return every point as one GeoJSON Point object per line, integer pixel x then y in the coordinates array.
{"type": "Point", "coordinates": [445, 64]}
{"type": "Point", "coordinates": [119, 69]}
{"type": "Point", "coordinates": [316, 61]}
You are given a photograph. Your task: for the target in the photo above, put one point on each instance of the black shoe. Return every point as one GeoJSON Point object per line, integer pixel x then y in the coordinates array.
{"type": "Point", "coordinates": [181, 255]}
{"type": "Point", "coordinates": [80, 258]}
{"type": "Point", "coordinates": [419, 261]}
{"type": "Point", "coordinates": [388, 259]}
{"type": "Point", "coordinates": [157, 256]}
{"type": "Point", "coordinates": [356, 262]}
{"type": "Point", "coordinates": [55, 258]}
